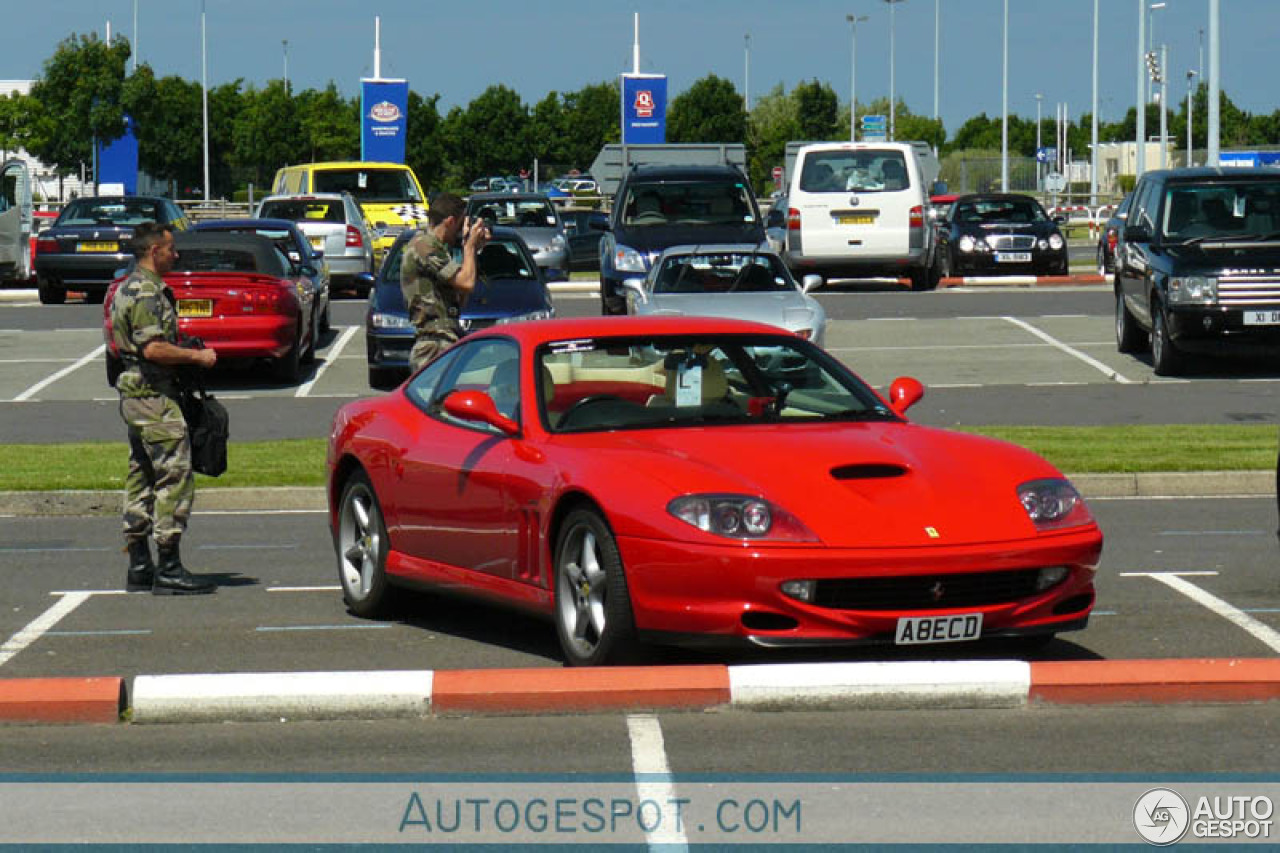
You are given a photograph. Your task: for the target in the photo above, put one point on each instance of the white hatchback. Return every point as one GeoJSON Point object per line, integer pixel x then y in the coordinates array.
{"type": "Point", "coordinates": [860, 209]}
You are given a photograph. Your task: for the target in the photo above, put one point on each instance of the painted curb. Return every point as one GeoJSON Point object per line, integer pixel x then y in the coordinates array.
{"type": "Point", "coordinates": [874, 685]}
{"type": "Point", "coordinates": [62, 700]}
{"type": "Point", "coordinates": [1021, 280]}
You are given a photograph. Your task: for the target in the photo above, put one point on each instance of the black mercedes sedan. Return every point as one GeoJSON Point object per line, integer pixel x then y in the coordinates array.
{"type": "Point", "coordinates": [92, 239]}
{"type": "Point", "coordinates": [1000, 234]}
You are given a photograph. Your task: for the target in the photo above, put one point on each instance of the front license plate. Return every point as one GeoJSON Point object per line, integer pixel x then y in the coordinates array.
{"type": "Point", "coordinates": [98, 247]}
{"type": "Point", "coordinates": [1262, 318]}
{"type": "Point", "coordinates": [938, 629]}
{"type": "Point", "coordinates": [1013, 257]}
{"type": "Point", "coordinates": [855, 219]}
{"type": "Point", "coordinates": [195, 307]}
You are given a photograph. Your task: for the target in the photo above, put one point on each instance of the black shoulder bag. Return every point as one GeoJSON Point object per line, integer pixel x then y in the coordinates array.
{"type": "Point", "coordinates": [208, 424]}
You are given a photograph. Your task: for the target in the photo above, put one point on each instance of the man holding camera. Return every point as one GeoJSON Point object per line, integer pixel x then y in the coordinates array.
{"type": "Point", "coordinates": [435, 286]}
{"type": "Point", "coordinates": [160, 485]}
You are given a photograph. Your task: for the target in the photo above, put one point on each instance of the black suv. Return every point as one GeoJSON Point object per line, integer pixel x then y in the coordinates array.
{"type": "Point", "coordinates": [1198, 265]}
{"type": "Point", "coordinates": [662, 206]}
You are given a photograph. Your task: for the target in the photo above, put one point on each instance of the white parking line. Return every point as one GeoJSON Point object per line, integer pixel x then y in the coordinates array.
{"type": "Point", "coordinates": [333, 588]}
{"type": "Point", "coordinates": [41, 624]}
{"type": "Point", "coordinates": [270, 628]}
{"type": "Point", "coordinates": [329, 358]}
{"type": "Point", "coordinates": [649, 760]}
{"type": "Point", "coordinates": [1264, 633]}
{"type": "Point", "coordinates": [1052, 341]}
{"type": "Point", "coordinates": [47, 381]}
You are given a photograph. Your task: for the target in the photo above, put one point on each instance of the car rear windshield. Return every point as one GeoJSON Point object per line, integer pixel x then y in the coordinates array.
{"type": "Point", "coordinates": [533, 213]}
{"type": "Point", "coordinates": [304, 210]}
{"type": "Point", "coordinates": [368, 185]}
{"type": "Point", "coordinates": [498, 259]}
{"type": "Point", "coordinates": [1226, 210]}
{"type": "Point", "coordinates": [218, 259]}
{"type": "Point", "coordinates": [667, 381]}
{"type": "Point", "coordinates": [87, 211]}
{"type": "Point", "coordinates": [690, 203]}
{"type": "Point", "coordinates": [722, 272]}
{"type": "Point", "coordinates": [840, 170]}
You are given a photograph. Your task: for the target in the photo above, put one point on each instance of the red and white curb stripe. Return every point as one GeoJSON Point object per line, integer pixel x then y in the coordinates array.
{"type": "Point", "coordinates": [1016, 280]}
{"type": "Point", "coordinates": [418, 693]}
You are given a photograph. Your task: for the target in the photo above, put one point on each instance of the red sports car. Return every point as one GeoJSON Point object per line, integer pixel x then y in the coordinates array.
{"type": "Point", "coordinates": [243, 297]}
{"type": "Point", "coordinates": [692, 480]}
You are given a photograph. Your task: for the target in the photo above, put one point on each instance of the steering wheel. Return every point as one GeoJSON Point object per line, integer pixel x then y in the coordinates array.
{"type": "Point", "coordinates": [586, 402]}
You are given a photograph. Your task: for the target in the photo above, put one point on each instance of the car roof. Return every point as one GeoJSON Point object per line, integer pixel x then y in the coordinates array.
{"type": "Point", "coordinates": [98, 198]}
{"type": "Point", "coordinates": [585, 328]}
{"type": "Point", "coordinates": [1212, 172]}
{"type": "Point", "coordinates": [650, 172]}
{"type": "Point", "coordinates": [322, 196]}
{"type": "Point", "coordinates": [216, 224]}
{"type": "Point", "coordinates": [349, 164]}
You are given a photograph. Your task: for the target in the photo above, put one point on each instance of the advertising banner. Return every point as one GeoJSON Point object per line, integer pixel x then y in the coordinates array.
{"type": "Point", "coordinates": [118, 163]}
{"type": "Point", "coordinates": [644, 109]}
{"type": "Point", "coordinates": [384, 111]}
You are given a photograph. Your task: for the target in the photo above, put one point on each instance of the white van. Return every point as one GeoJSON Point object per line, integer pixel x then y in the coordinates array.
{"type": "Point", "coordinates": [860, 209]}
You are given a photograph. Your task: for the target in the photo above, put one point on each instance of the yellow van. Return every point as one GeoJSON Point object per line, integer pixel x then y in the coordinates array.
{"type": "Point", "coordinates": [388, 193]}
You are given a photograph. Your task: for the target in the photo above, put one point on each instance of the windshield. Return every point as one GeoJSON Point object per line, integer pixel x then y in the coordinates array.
{"type": "Point", "coordinates": [214, 259]}
{"type": "Point", "coordinates": [698, 203]}
{"type": "Point", "coordinates": [1221, 210]}
{"type": "Point", "coordinates": [870, 170]}
{"type": "Point", "coordinates": [527, 213]}
{"type": "Point", "coordinates": [109, 212]}
{"type": "Point", "coordinates": [303, 210]}
{"type": "Point", "coordinates": [637, 383]}
{"type": "Point", "coordinates": [723, 272]}
{"type": "Point", "coordinates": [1002, 211]}
{"type": "Point", "coordinates": [368, 185]}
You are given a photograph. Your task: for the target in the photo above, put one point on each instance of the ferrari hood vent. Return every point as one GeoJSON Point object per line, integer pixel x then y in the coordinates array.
{"type": "Point", "coordinates": [868, 471]}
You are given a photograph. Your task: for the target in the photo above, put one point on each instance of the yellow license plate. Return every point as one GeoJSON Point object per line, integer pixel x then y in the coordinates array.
{"type": "Point", "coordinates": [317, 242]}
{"type": "Point", "coordinates": [855, 219]}
{"type": "Point", "coordinates": [195, 307]}
{"type": "Point", "coordinates": [98, 247]}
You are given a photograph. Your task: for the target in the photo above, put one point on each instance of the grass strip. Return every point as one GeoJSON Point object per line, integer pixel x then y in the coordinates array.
{"type": "Point", "coordinates": [300, 462]}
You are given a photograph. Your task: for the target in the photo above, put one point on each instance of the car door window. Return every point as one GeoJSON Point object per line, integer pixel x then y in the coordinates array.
{"type": "Point", "coordinates": [490, 366]}
{"type": "Point", "coordinates": [421, 389]}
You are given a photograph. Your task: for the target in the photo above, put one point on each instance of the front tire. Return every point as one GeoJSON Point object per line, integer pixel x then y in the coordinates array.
{"type": "Point", "coordinates": [361, 545]}
{"type": "Point", "coordinates": [1129, 337]}
{"type": "Point", "coordinates": [1165, 358]}
{"type": "Point", "coordinates": [593, 607]}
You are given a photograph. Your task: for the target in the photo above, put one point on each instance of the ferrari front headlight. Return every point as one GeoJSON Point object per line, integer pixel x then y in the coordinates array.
{"type": "Point", "coordinates": [739, 517]}
{"type": "Point", "coordinates": [1053, 504]}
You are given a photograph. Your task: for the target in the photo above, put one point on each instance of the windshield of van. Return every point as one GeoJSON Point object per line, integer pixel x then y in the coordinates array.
{"type": "Point", "coordinates": [1248, 210]}
{"type": "Point", "coordinates": [700, 203]}
{"type": "Point", "coordinates": [368, 185]}
{"type": "Point", "coordinates": [854, 171]}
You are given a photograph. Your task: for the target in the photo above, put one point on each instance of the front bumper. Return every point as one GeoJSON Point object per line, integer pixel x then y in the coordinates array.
{"type": "Point", "coordinates": [388, 348]}
{"type": "Point", "coordinates": [1215, 330]}
{"type": "Point", "coordinates": [730, 595]}
{"type": "Point", "coordinates": [1047, 262]}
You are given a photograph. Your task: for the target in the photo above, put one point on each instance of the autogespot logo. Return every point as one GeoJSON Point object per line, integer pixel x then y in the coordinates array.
{"type": "Point", "coordinates": [1161, 816]}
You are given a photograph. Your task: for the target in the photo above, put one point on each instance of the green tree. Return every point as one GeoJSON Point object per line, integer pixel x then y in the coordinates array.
{"type": "Point", "coordinates": [817, 111]}
{"type": "Point", "coordinates": [978, 132]}
{"type": "Point", "coordinates": [548, 122]}
{"type": "Point", "coordinates": [167, 124]}
{"type": "Point", "coordinates": [79, 91]}
{"type": "Point", "coordinates": [711, 110]}
{"type": "Point", "coordinates": [226, 102]}
{"type": "Point", "coordinates": [489, 137]}
{"type": "Point", "coordinates": [424, 148]}
{"type": "Point", "coordinates": [330, 125]}
{"type": "Point", "coordinates": [772, 124]}
{"type": "Point", "coordinates": [593, 118]}
{"type": "Point", "coordinates": [265, 134]}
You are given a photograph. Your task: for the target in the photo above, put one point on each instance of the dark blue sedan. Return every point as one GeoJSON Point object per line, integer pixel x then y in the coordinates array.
{"type": "Point", "coordinates": [510, 288]}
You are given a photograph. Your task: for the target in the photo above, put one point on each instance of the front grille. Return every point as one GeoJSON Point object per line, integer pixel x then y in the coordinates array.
{"type": "Point", "coordinates": [1240, 290]}
{"type": "Point", "coordinates": [926, 592]}
{"type": "Point", "coordinates": [1010, 241]}
{"type": "Point", "coordinates": [475, 324]}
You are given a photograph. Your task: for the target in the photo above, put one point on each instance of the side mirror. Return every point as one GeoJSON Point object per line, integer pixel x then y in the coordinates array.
{"type": "Point", "coordinates": [636, 286]}
{"type": "Point", "coordinates": [811, 282]}
{"type": "Point", "coordinates": [1136, 234]}
{"type": "Point", "coordinates": [478, 407]}
{"type": "Point", "coordinates": [365, 281]}
{"type": "Point", "coordinates": [1060, 219]}
{"type": "Point", "coordinates": [904, 393]}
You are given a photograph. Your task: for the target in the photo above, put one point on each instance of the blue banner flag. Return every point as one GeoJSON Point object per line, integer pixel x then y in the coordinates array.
{"type": "Point", "coordinates": [644, 109]}
{"type": "Point", "coordinates": [384, 110]}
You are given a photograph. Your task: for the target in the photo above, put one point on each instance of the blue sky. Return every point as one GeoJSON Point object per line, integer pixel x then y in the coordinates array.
{"type": "Point", "coordinates": [535, 46]}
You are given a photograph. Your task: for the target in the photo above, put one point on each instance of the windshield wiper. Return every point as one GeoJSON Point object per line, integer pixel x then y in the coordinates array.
{"type": "Point", "coordinates": [1256, 238]}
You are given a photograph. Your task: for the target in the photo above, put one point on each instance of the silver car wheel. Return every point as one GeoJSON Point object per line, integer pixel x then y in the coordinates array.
{"type": "Point", "coordinates": [359, 543]}
{"type": "Point", "coordinates": [583, 589]}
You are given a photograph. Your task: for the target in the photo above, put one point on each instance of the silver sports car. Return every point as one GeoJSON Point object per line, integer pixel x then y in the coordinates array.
{"type": "Point", "coordinates": [748, 282]}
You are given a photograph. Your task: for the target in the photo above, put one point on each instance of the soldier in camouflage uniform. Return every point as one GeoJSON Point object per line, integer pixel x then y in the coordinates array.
{"type": "Point", "coordinates": [160, 484]}
{"type": "Point", "coordinates": [435, 286]}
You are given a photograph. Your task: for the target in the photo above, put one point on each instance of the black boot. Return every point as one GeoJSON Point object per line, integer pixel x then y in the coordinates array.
{"type": "Point", "coordinates": [141, 570]}
{"type": "Point", "coordinates": [172, 578]}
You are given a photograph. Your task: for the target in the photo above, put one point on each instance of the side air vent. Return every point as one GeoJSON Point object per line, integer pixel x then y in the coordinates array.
{"type": "Point", "coordinates": [868, 471]}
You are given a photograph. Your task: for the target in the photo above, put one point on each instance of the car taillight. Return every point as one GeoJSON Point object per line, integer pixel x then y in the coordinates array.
{"type": "Point", "coordinates": [46, 244]}
{"type": "Point", "coordinates": [793, 219]}
{"type": "Point", "coordinates": [354, 240]}
{"type": "Point", "coordinates": [916, 217]}
{"type": "Point", "coordinates": [1112, 238]}
{"type": "Point", "coordinates": [262, 301]}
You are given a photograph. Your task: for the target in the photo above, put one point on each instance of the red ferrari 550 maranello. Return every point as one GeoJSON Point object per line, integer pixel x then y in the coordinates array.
{"type": "Point", "coordinates": [690, 481]}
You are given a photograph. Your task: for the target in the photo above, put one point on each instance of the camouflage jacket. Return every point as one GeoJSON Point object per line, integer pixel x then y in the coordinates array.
{"type": "Point", "coordinates": [143, 310]}
{"type": "Point", "coordinates": [426, 271]}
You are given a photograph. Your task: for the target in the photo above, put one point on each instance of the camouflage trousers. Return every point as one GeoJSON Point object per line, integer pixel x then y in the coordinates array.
{"type": "Point", "coordinates": [427, 347]}
{"type": "Point", "coordinates": [160, 486]}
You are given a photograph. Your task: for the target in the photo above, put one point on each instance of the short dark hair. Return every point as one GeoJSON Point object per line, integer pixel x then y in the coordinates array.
{"type": "Point", "coordinates": [147, 234]}
{"type": "Point", "coordinates": [443, 206]}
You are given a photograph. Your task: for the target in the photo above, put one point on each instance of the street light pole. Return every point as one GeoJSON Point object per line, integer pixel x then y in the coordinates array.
{"type": "Point", "coordinates": [1004, 109]}
{"type": "Point", "coordinates": [204, 98]}
{"type": "Point", "coordinates": [1093, 130]}
{"type": "Point", "coordinates": [1164, 97]}
{"type": "Point", "coordinates": [284, 44]}
{"type": "Point", "coordinates": [937, 37]}
{"type": "Point", "coordinates": [1190, 116]}
{"type": "Point", "coordinates": [853, 75]}
{"type": "Point", "coordinates": [1151, 34]}
{"type": "Point", "coordinates": [746, 72]}
{"type": "Point", "coordinates": [1039, 97]}
{"type": "Point", "coordinates": [1211, 156]}
{"type": "Point", "coordinates": [893, 124]}
{"type": "Point", "coordinates": [1141, 131]}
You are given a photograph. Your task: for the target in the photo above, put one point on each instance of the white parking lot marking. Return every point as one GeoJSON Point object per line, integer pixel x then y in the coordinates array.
{"type": "Point", "coordinates": [41, 624]}
{"type": "Point", "coordinates": [334, 588]}
{"type": "Point", "coordinates": [1052, 341]}
{"type": "Point", "coordinates": [653, 778]}
{"type": "Point", "coordinates": [329, 358]}
{"type": "Point", "coordinates": [49, 380]}
{"type": "Point", "coordinates": [1264, 633]}
{"type": "Point", "coordinates": [268, 628]}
